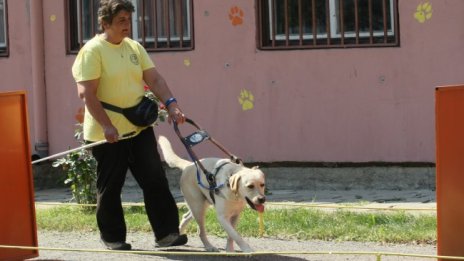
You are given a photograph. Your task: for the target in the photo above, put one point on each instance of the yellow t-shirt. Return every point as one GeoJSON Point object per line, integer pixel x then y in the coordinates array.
{"type": "Point", "coordinates": [120, 70]}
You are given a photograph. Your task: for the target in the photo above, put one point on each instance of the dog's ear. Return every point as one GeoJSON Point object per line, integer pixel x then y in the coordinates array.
{"type": "Point", "coordinates": [234, 181]}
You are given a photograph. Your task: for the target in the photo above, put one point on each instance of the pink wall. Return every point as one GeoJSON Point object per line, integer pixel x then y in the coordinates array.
{"type": "Point", "coordinates": [15, 70]}
{"type": "Point", "coordinates": [333, 105]}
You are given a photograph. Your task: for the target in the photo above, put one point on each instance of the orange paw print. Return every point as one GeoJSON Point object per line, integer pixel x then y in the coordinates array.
{"type": "Point", "coordinates": [236, 15]}
{"type": "Point", "coordinates": [79, 116]}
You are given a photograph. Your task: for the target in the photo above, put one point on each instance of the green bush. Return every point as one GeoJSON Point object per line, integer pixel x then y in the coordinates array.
{"type": "Point", "coordinates": [81, 170]}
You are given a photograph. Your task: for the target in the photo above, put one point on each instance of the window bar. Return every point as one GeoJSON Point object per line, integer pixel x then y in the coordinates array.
{"type": "Point", "coordinates": [260, 23]}
{"type": "Point", "coordinates": [314, 22]}
{"type": "Point", "coordinates": [80, 33]}
{"type": "Point", "coordinates": [385, 25]}
{"type": "Point", "coordinates": [300, 22]}
{"type": "Point", "coordinates": [191, 28]}
{"type": "Point", "coordinates": [91, 22]}
{"type": "Point", "coordinates": [5, 19]}
{"type": "Point", "coordinates": [286, 23]}
{"type": "Point", "coordinates": [274, 22]}
{"type": "Point", "coordinates": [3, 26]}
{"type": "Point", "coordinates": [167, 22]}
{"type": "Point", "coordinates": [327, 18]}
{"type": "Point", "coordinates": [155, 24]}
{"type": "Point", "coordinates": [356, 20]}
{"type": "Point", "coordinates": [342, 24]}
{"type": "Point", "coordinates": [142, 24]}
{"type": "Point", "coordinates": [395, 25]}
{"type": "Point", "coordinates": [180, 19]}
{"type": "Point", "coordinates": [371, 30]}
{"type": "Point", "coordinates": [68, 23]}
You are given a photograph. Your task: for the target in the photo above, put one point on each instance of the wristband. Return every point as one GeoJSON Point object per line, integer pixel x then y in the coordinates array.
{"type": "Point", "coordinates": [169, 101]}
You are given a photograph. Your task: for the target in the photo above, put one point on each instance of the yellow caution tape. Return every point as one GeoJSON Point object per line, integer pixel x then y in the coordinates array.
{"type": "Point", "coordinates": [196, 253]}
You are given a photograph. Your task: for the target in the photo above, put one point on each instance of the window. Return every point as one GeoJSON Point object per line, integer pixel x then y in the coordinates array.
{"type": "Point", "coordinates": [3, 29]}
{"type": "Point", "coordinates": [159, 25]}
{"type": "Point", "coordinates": [297, 24]}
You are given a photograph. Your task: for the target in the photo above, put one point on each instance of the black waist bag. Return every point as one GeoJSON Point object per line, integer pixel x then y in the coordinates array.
{"type": "Point", "coordinates": [143, 114]}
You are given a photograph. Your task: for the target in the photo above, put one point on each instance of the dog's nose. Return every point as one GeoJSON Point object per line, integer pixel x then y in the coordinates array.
{"type": "Point", "coordinates": [261, 200]}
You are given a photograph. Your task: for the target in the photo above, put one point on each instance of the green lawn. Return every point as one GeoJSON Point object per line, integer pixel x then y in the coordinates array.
{"type": "Point", "coordinates": [293, 223]}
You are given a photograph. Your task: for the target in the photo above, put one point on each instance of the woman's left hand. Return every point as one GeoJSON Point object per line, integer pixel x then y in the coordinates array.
{"type": "Point", "coordinates": [175, 114]}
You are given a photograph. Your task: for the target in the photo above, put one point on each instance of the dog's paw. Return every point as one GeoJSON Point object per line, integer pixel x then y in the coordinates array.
{"type": "Point", "coordinates": [211, 249]}
{"type": "Point", "coordinates": [244, 249]}
{"type": "Point", "coordinates": [247, 250]}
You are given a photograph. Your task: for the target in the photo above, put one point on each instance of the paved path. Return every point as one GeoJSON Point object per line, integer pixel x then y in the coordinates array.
{"type": "Point", "coordinates": [414, 199]}
{"type": "Point", "coordinates": [289, 250]}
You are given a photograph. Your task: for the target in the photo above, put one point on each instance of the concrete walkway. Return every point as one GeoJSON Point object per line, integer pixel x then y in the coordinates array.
{"type": "Point", "coordinates": [409, 199]}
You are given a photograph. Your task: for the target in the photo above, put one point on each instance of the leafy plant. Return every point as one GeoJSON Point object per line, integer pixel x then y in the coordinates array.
{"type": "Point", "coordinates": [81, 169]}
{"type": "Point", "coordinates": [162, 112]}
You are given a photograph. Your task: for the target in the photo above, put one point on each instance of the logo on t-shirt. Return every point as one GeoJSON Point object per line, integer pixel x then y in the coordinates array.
{"type": "Point", "coordinates": [134, 59]}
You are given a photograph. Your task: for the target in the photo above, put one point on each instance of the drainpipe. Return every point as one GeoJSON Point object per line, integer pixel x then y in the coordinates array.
{"type": "Point", "coordinates": [39, 98]}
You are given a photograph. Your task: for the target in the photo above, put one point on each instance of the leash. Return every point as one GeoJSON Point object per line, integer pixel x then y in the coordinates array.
{"type": "Point", "coordinates": [198, 137]}
{"type": "Point", "coordinates": [87, 146]}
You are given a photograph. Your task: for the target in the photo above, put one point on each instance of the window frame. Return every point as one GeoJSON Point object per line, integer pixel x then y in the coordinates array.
{"type": "Point", "coordinates": [333, 9]}
{"type": "Point", "coordinates": [4, 46]}
{"type": "Point", "coordinates": [74, 11]}
{"type": "Point", "coordinates": [188, 19]}
{"type": "Point", "coordinates": [332, 33]}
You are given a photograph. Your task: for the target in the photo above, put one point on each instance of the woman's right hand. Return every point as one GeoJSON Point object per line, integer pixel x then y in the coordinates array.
{"type": "Point", "coordinates": [111, 134]}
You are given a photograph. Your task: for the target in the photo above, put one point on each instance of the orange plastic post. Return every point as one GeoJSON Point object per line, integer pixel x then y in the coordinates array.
{"type": "Point", "coordinates": [17, 211]}
{"type": "Point", "coordinates": [449, 107]}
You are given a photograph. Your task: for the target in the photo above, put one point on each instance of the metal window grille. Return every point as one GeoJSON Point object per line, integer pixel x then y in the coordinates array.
{"type": "Point", "coordinates": [306, 24]}
{"type": "Point", "coordinates": [3, 29]}
{"type": "Point", "coordinates": [159, 25]}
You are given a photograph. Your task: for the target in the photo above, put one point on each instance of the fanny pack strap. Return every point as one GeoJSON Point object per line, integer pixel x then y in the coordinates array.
{"type": "Point", "coordinates": [111, 107]}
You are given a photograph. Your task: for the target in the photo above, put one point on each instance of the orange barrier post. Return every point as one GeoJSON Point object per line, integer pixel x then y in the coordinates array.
{"type": "Point", "coordinates": [17, 218]}
{"type": "Point", "coordinates": [449, 108]}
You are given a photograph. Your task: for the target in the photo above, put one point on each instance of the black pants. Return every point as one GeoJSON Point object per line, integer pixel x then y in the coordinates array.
{"type": "Point", "coordinates": [140, 155]}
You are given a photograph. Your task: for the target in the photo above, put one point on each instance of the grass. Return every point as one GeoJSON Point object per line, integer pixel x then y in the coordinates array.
{"type": "Point", "coordinates": [294, 223]}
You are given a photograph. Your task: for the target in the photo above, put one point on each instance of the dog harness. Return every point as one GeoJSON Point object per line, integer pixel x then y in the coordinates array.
{"type": "Point", "coordinates": [196, 138]}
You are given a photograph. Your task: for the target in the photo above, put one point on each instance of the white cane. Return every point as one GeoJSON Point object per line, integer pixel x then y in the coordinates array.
{"type": "Point", "coordinates": [87, 146]}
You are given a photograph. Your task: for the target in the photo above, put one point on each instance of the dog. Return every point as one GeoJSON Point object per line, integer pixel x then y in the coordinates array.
{"type": "Point", "coordinates": [241, 185]}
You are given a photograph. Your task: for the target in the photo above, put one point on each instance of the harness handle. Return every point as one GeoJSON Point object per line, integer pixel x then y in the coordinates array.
{"type": "Point", "coordinates": [196, 138]}
{"type": "Point", "coordinates": [190, 140]}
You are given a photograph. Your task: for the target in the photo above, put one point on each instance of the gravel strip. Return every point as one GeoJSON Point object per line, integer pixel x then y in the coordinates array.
{"type": "Point", "coordinates": [145, 242]}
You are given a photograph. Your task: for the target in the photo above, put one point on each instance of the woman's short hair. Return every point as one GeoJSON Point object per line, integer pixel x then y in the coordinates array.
{"type": "Point", "coordinates": [109, 8]}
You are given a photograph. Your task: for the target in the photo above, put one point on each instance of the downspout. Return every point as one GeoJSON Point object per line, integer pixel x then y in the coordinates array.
{"type": "Point", "coordinates": [39, 97]}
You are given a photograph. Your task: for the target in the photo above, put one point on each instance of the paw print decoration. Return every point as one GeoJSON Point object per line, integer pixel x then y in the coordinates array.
{"type": "Point", "coordinates": [236, 16]}
{"type": "Point", "coordinates": [423, 12]}
{"type": "Point", "coordinates": [246, 100]}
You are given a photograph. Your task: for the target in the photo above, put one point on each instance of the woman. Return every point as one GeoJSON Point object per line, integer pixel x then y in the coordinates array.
{"type": "Point", "coordinates": [113, 68]}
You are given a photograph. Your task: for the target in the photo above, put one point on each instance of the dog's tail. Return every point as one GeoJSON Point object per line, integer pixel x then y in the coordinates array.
{"type": "Point", "coordinates": [170, 156]}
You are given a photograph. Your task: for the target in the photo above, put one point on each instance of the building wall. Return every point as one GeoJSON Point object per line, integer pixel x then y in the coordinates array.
{"type": "Point", "coordinates": [330, 105]}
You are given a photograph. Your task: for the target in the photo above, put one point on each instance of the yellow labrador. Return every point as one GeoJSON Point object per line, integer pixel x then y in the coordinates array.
{"type": "Point", "coordinates": [241, 185]}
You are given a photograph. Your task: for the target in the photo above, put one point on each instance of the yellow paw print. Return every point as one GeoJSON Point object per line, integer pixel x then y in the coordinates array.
{"type": "Point", "coordinates": [187, 62]}
{"type": "Point", "coordinates": [423, 12]}
{"type": "Point", "coordinates": [246, 99]}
